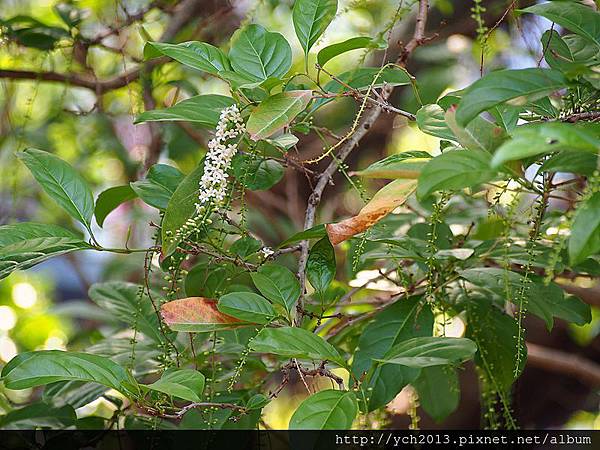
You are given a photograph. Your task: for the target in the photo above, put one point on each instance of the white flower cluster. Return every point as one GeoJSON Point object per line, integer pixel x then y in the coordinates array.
{"type": "Point", "coordinates": [213, 185]}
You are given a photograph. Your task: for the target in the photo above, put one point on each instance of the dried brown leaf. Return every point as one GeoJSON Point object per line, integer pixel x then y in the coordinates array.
{"type": "Point", "coordinates": [383, 202]}
{"type": "Point", "coordinates": [197, 314]}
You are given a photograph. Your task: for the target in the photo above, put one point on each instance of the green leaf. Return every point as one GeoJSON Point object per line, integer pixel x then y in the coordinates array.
{"type": "Point", "coordinates": [278, 284]}
{"type": "Point", "coordinates": [260, 87]}
{"type": "Point", "coordinates": [506, 115]}
{"type": "Point", "coordinates": [276, 112]}
{"type": "Point", "coordinates": [400, 165]}
{"type": "Point", "coordinates": [245, 246]}
{"type": "Point", "coordinates": [479, 134]}
{"type": "Point", "coordinates": [316, 232]}
{"type": "Point", "coordinates": [124, 302]}
{"type": "Point", "coordinates": [186, 384]}
{"type": "Point", "coordinates": [197, 55]}
{"type": "Point", "coordinates": [516, 87]}
{"type": "Point", "coordinates": [548, 301]}
{"type": "Point", "coordinates": [159, 185]}
{"type": "Point", "coordinates": [320, 267]}
{"type": "Point", "coordinates": [580, 49]}
{"type": "Point", "coordinates": [257, 401]}
{"type": "Point", "coordinates": [428, 351]}
{"type": "Point", "coordinates": [545, 301]}
{"type": "Point", "coordinates": [206, 280]}
{"type": "Point", "coordinates": [33, 33]}
{"type": "Point", "coordinates": [439, 391]}
{"type": "Point", "coordinates": [455, 170]}
{"type": "Point", "coordinates": [25, 244]}
{"type": "Point", "coordinates": [61, 182]}
{"type": "Point", "coordinates": [257, 173]}
{"type": "Point", "coordinates": [73, 393]}
{"type": "Point", "coordinates": [311, 18]}
{"type": "Point", "coordinates": [579, 163]}
{"type": "Point", "coordinates": [247, 306]}
{"type": "Point", "coordinates": [284, 141]}
{"type": "Point", "coordinates": [398, 322]}
{"type": "Point", "coordinates": [585, 231]}
{"type": "Point", "coordinates": [423, 232]}
{"type": "Point", "coordinates": [543, 138]}
{"type": "Point", "coordinates": [38, 415]}
{"type": "Point", "coordinates": [181, 208]}
{"type": "Point", "coordinates": [495, 335]}
{"type": "Point", "coordinates": [31, 369]}
{"type": "Point", "coordinates": [259, 54]}
{"type": "Point", "coordinates": [331, 51]}
{"type": "Point", "coordinates": [110, 199]}
{"type": "Point", "coordinates": [557, 53]}
{"type": "Point", "coordinates": [574, 16]}
{"type": "Point", "coordinates": [293, 342]}
{"type": "Point", "coordinates": [326, 410]}
{"type": "Point", "coordinates": [201, 109]}
{"type": "Point", "coordinates": [544, 107]}
{"type": "Point", "coordinates": [430, 120]}
{"type": "Point", "coordinates": [492, 278]}
{"type": "Point", "coordinates": [118, 349]}
{"type": "Point", "coordinates": [31, 236]}
{"type": "Point", "coordinates": [93, 423]}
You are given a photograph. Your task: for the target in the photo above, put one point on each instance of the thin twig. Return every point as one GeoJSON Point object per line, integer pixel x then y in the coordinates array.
{"type": "Point", "coordinates": [368, 120]}
{"type": "Point", "coordinates": [179, 414]}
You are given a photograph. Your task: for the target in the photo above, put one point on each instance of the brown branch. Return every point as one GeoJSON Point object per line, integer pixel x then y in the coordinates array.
{"type": "Point", "coordinates": [155, 146]}
{"type": "Point", "coordinates": [129, 20]}
{"type": "Point", "coordinates": [557, 361]}
{"type": "Point", "coordinates": [283, 251]}
{"type": "Point", "coordinates": [592, 116]}
{"type": "Point", "coordinates": [98, 86]}
{"type": "Point", "coordinates": [179, 414]}
{"type": "Point", "coordinates": [199, 250]}
{"type": "Point", "coordinates": [367, 121]}
{"type": "Point", "coordinates": [590, 295]}
{"type": "Point", "coordinates": [320, 371]}
{"type": "Point", "coordinates": [347, 321]}
{"type": "Point", "coordinates": [185, 12]}
{"type": "Point", "coordinates": [419, 33]}
{"type": "Point", "coordinates": [359, 96]}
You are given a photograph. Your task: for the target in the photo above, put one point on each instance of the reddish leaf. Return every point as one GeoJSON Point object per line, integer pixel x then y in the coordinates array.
{"type": "Point", "coordinates": [383, 202]}
{"type": "Point", "coordinates": [197, 314]}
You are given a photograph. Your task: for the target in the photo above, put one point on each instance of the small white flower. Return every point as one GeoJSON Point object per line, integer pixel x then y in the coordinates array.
{"type": "Point", "coordinates": [267, 251]}
{"type": "Point", "coordinates": [213, 185]}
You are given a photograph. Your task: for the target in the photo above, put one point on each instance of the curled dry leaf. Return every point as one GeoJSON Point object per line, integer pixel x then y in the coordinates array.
{"type": "Point", "coordinates": [197, 314]}
{"type": "Point", "coordinates": [383, 202]}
